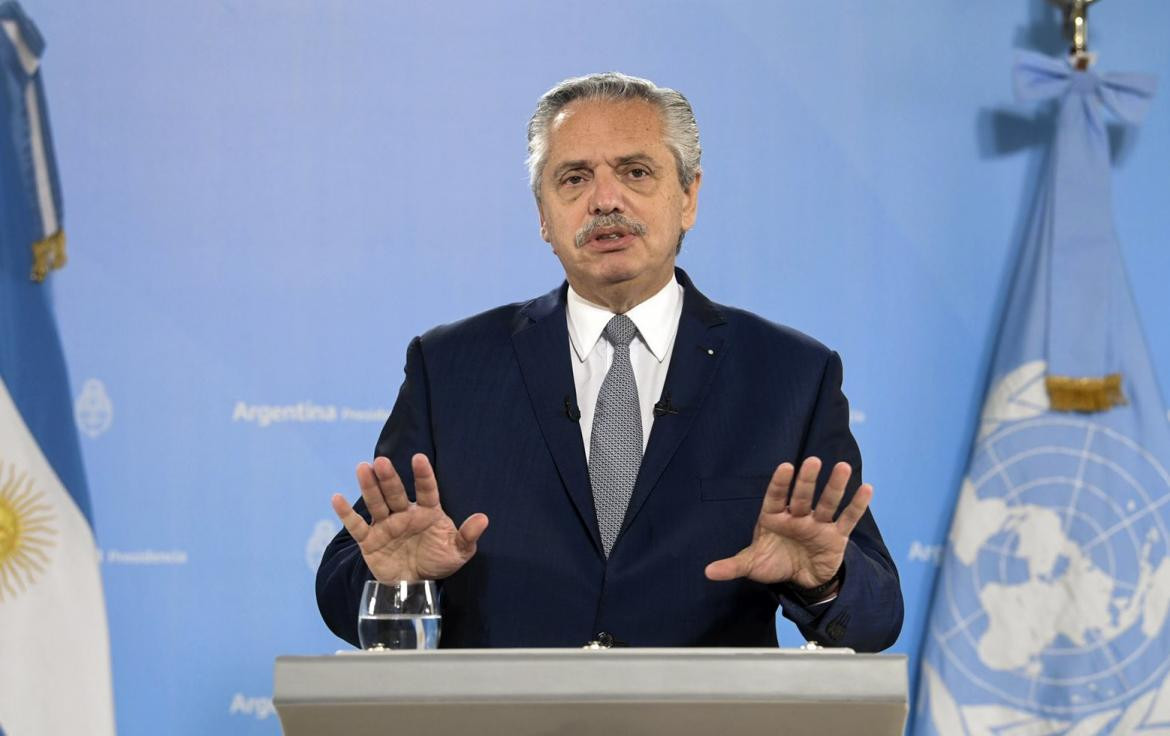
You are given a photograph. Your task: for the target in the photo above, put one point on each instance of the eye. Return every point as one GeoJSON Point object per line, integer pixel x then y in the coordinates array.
{"type": "Point", "coordinates": [572, 180]}
{"type": "Point", "coordinates": [639, 172]}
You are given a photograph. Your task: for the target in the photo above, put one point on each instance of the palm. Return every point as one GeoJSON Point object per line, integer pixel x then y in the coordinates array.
{"type": "Point", "coordinates": [794, 548]}
{"type": "Point", "coordinates": [793, 541]}
{"type": "Point", "coordinates": [419, 540]}
{"type": "Point", "coordinates": [404, 540]}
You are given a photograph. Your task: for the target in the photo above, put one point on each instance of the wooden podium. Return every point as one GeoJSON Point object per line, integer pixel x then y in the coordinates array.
{"type": "Point", "coordinates": [583, 692]}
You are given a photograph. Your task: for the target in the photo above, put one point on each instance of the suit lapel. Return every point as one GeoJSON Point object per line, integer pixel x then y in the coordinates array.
{"type": "Point", "coordinates": [540, 338]}
{"type": "Point", "coordinates": [698, 351]}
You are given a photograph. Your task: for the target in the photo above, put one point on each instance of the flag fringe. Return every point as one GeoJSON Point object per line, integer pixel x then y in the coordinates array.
{"type": "Point", "coordinates": [48, 255]}
{"type": "Point", "coordinates": [1066, 393]}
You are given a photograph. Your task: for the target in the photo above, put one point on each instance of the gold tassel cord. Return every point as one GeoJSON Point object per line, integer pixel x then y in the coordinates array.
{"type": "Point", "coordinates": [1088, 395]}
{"type": "Point", "coordinates": [48, 255]}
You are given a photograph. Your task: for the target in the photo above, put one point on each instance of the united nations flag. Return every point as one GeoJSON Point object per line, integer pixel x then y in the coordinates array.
{"type": "Point", "coordinates": [54, 642]}
{"type": "Point", "coordinates": [1050, 612]}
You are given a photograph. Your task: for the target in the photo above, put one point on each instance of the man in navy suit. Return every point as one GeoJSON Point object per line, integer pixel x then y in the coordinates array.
{"type": "Point", "coordinates": [722, 439]}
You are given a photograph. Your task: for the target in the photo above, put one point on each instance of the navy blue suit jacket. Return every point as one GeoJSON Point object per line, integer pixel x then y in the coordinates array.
{"type": "Point", "coordinates": [485, 399]}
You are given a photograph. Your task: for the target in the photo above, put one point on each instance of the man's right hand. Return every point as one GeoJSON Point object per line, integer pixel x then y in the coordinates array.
{"type": "Point", "coordinates": [404, 540]}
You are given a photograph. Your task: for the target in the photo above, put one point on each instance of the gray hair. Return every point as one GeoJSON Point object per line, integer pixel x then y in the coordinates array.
{"type": "Point", "coordinates": [680, 130]}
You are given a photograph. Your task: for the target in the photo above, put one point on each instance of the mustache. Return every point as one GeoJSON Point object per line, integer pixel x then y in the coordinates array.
{"type": "Point", "coordinates": [613, 219]}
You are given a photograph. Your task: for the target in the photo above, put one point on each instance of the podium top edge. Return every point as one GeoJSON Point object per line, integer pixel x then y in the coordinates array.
{"type": "Point", "coordinates": [548, 653]}
{"type": "Point", "coordinates": [592, 676]}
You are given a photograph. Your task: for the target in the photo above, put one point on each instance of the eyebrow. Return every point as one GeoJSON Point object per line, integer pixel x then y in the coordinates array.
{"type": "Point", "coordinates": [636, 158]}
{"type": "Point", "coordinates": [569, 166]}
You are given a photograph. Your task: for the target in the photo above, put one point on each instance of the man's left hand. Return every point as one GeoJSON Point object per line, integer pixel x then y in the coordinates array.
{"type": "Point", "coordinates": [794, 541]}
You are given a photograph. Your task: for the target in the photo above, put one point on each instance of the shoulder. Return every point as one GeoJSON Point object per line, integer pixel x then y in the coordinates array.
{"type": "Point", "coordinates": [761, 339]}
{"type": "Point", "coordinates": [493, 322]}
{"type": "Point", "coordinates": [767, 339]}
{"type": "Point", "coordinates": [488, 329]}
{"type": "Point", "coordinates": [751, 325]}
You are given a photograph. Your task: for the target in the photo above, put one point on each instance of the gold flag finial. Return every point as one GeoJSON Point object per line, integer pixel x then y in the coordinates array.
{"type": "Point", "coordinates": [1088, 395]}
{"type": "Point", "coordinates": [1076, 28]}
{"type": "Point", "coordinates": [48, 255]}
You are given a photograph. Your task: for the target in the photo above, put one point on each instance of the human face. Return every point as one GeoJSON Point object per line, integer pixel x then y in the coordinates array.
{"type": "Point", "coordinates": [610, 202]}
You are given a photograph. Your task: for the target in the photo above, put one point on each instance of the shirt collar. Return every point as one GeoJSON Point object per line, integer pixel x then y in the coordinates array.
{"type": "Point", "coordinates": [656, 320]}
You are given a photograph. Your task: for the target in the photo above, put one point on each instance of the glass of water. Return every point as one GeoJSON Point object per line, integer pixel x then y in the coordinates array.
{"type": "Point", "coordinates": [399, 615]}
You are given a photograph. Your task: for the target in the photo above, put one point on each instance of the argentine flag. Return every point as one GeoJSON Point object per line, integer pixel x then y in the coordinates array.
{"type": "Point", "coordinates": [54, 642]}
{"type": "Point", "coordinates": [1051, 614]}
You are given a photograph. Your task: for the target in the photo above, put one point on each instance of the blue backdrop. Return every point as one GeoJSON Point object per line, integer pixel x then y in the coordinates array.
{"type": "Point", "coordinates": [267, 199]}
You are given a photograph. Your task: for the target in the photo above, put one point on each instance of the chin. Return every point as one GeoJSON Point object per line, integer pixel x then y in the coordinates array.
{"type": "Point", "coordinates": [617, 275]}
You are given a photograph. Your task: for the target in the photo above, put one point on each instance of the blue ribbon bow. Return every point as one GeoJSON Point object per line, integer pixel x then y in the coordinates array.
{"type": "Point", "coordinates": [1074, 227]}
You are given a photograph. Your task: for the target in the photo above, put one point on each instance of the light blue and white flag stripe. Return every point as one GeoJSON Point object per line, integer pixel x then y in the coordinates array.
{"type": "Point", "coordinates": [54, 640]}
{"type": "Point", "coordinates": [1050, 615]}
{"type": "Point", "coordinates": [38, 166]}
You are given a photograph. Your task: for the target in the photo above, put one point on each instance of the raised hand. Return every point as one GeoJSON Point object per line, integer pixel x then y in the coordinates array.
{"type": "Point", "coordinates": [404, 540]}
{"type": "Point", "coordinates": [794, 541]}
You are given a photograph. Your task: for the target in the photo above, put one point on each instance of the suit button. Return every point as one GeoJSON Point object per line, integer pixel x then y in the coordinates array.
{"type": "Point", "coordinates": [836, 628]}
{"type": "Point", "coordinates": [605, 639]}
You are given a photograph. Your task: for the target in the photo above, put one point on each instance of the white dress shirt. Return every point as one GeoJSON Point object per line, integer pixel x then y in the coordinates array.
{"type": "Point", "coordinates": [591, 354]}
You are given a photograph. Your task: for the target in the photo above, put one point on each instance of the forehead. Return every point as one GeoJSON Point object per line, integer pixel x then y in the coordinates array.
{"type": "Point", "coordinates": [600, 129]}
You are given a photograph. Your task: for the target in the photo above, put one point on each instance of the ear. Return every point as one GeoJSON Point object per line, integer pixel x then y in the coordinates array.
{"type": "Point", "coordinates": [544, 233]}
{"type": "Point", "coordinates": [690, 208]}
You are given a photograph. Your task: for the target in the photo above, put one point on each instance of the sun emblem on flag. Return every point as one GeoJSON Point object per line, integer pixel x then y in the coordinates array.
{"type": "Point", "coordinates": [26, 532]}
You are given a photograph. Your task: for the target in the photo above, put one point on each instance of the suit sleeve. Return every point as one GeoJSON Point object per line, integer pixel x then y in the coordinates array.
{"type": "Point", "coordinates": [343, 573]}
{"type": "Point", "coordinates": [866, 615]}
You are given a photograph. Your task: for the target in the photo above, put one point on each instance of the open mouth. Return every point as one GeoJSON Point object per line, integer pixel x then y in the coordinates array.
{"type": "Point", "coordinates": [609, 232]}
{"type": "Point", "coordinates": [610, 237]}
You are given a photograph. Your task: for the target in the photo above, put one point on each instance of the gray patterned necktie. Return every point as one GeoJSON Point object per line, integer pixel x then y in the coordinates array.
{"type": "Point", "coordinates": [615, 446]}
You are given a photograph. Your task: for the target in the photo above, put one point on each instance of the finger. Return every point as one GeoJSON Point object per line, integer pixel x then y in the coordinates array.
{"type": "Point", "coordinates": [389, 485]}
{"type": "Point", "coordinates": [354, 523]}
{"type": "Point", "coordinates": [426, 487]}
{"type": "Point", "coordinates": [729, 568]}
{"type": "Point", "coordinates": [834, 491]}
{"type": "Point", "coordinates": [776, 497]}
{"type": "Point", "coordinates": [802, 491]}
{"type": "Point", "coordinates": [368, 483]}
{"type": "Point", "coordinates": [855, 510]}
{"type": "Point", "coordinates": [470, 532]}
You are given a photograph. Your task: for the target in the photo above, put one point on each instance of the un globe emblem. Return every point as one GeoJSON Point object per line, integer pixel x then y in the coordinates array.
{"type": "Point", "coordinates": [1058, 583]}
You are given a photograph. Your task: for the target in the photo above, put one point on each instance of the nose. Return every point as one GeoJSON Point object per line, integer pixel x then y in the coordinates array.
{"type": "Point", "coordinates": [606, 196]}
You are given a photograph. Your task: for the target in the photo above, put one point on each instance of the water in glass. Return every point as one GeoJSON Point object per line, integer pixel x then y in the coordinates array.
{"type": "Point", "coordinates": [399, 631]}
{"type": "Point", "coordinates": [399, 615]}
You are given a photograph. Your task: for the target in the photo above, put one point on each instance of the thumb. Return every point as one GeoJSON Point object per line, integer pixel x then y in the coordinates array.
{"type": "Point", "coordinates": [729, 568]}
{"type": "Point", "coordinates": [470, 532]}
